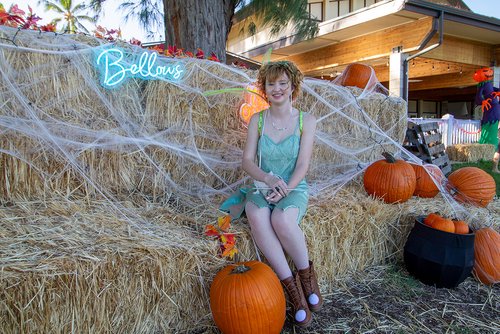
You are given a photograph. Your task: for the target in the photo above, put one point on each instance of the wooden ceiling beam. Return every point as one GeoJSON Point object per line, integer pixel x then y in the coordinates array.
{"type": "Point", "coordinates": [364, 48]}
{"type": "Point", "coordinates": [455, 55]}
{"type": "Point", "coordinates": [444, 81]}
{"type": "Point", "coordinates": [423, 67]}
{"type": "Point", "coordinates": [463, 51]}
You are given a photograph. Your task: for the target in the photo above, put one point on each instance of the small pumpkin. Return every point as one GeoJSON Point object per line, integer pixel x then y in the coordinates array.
{"type": "Point", "coordinates": [357, 75]}
{"type": "Point", "coordinates": [247, 298]}
{"type": "Point", "coordinates": [425, 186]}
{"type": "Point", "coordinates": [487, 256]}
{"type": "Point", "coordinates": [430, 218]}
{"type": "Point", "coordinates": [461, 227]}
{"type": "Point", "coordinates": [392, 180]}
{"type": "Point", "coordinates": [471, 185]}
{"type": "Point", "coordinates": [443, 224]}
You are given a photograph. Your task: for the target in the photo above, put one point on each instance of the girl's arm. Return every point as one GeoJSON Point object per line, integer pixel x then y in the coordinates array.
{"type": "Point", "coordinates": [305, 150]}
{"type": "Point", "coordinates": [250, 151]}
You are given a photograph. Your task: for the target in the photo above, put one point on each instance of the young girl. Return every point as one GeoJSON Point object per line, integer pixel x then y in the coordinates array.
{"type": "Point", "coordinates": [277, 154]}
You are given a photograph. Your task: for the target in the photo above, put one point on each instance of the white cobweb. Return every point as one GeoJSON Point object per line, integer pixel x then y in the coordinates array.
{"type": "Point", "coordinates": [163, 141]}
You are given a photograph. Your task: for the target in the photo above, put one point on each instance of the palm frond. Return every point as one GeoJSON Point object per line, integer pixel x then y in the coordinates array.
{"type": "Point", "coordinates": [80, 26]}
{"type": "Point", "coordinates": [96, 5]}
{"type": "Point", "coordinates": [66, 4]}
{"type": "Point", "coordinates": [78, 8]}
{"type": "Point", "coordinates": [149, 13]}
{"type": "Point", "coordinates": [277, 14]}
{"type": "Point", "coordinates": [85, 18]}
{"type": "Point", "coordinates": [53, 6]}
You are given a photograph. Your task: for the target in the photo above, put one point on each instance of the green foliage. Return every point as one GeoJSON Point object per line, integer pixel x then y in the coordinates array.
{"type": "Point", "coordinates": [487, 166]}
{"type": "Point", "coordinates": [278, 14]}
{"type": "Point", "coordinates": [70, 13]}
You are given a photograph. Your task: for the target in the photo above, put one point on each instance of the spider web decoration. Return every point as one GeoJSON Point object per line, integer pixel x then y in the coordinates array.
{"type": "Point", "coordinates": [162, 141]}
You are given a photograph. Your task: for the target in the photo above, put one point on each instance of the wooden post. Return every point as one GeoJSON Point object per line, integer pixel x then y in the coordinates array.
{"type": "Point", "coordinates": [398, 78]}
{"type": "Point", "coordinates": [496, 76]}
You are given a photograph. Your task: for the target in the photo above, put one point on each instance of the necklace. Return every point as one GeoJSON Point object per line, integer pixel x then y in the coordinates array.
{"type": "Point", "coordinates": [277, 127]}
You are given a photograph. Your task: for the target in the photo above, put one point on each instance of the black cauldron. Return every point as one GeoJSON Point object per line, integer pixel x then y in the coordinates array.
{"type": "Point", "coordinates": [438, 258]}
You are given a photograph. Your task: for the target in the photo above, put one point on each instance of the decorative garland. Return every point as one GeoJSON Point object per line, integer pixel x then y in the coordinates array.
{"type": "Point", "coordinates": [469, 132]}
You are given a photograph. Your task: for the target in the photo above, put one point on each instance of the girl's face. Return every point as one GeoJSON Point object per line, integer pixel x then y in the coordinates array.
{"type": "Point", "coordinates": [279, 91]}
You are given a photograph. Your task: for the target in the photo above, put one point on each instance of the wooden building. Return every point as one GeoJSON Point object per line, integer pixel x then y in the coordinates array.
{"type": "Point", "coordinates": [424, 51]}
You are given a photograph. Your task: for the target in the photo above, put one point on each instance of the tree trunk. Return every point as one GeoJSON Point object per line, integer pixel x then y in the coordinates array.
{"type": "Point", "coordinates": [204, 24]}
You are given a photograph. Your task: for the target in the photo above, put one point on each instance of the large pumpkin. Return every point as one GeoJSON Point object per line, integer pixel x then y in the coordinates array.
{"type": "Point", "coordinates": [425, 186]}
{"type": "Point", "coordinates": [393, 180]}
{"type": "Point", "coordinates": [487, 256]}
{"type": "Point", "coordinates": [248, 298]}
{"type": "Point", "coordinates": [471, 185]}
{"type": "Point", "coordinates": [356, 75]}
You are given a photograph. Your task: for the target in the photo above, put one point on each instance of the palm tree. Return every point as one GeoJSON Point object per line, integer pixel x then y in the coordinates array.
{"type": "Point", "coordinates": [71, 15]}
{"type": "Point", "coordinates": [205, 24]}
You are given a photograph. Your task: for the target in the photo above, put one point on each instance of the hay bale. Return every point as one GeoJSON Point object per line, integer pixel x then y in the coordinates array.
{"type": "Point", "coordinates": [470, 152]}
{"type": "Point", "coordinates": [84, 267]}
{"type": "Point", "coordinates": [74, 266]}
{"type": "Point", "coordinates": [158, 138]}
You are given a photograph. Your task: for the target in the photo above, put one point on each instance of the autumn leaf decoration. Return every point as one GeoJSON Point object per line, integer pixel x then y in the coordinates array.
{"type": "Point", "coordinates": [221, 232]}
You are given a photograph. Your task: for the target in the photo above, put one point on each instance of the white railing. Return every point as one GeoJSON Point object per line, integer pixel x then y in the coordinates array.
{"type": "Point", "coordinates": [454, 131]}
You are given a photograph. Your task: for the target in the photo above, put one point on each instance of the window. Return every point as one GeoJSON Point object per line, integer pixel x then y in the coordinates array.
{"type": "Point", "coordinates": [315, 10]}
{"type": "Point", "coordinates": [339, 7]}
{"type": "Point", "coordinates": [357, 4]}
{"type": "Point", "coordinates": [343, 7]}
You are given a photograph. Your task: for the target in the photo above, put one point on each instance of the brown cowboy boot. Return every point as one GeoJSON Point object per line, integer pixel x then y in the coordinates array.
{"type": "Point", "coordinates": [311, 288]}
{"type": "Point", "coordinates": [301, 313]}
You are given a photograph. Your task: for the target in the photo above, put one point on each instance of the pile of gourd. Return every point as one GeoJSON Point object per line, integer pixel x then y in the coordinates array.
{"type": "Point", "coordinates": [396, 181]}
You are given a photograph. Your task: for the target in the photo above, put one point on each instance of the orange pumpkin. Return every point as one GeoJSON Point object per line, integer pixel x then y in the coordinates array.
{"type": "Point", "coordinates": [471, 185]}
{"type": "Point", "coordinates": [425, 186]}
{"type": "Point", "coordinates": [429, 219]}
{"type": "Point", "coordinates": [443, 224]}
{"type": "Point", "coordinates": [393, 180]}
{"type": "Point", "coordinates": [356, 75]}
{"type": "Point", "coordinates": [461, 227]}
{"type": "Point", "coordinates": [247, 298]}
{"type": "Point", "coordinates": [487, 256]}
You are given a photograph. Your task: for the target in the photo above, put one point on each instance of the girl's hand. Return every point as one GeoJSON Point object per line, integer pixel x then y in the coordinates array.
{"type": "Point", "coordinates": [273, 197]}
{"type": "Point", "coordinates": [279, 188]}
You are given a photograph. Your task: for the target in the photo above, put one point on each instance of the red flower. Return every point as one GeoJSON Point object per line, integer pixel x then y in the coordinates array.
{"type": "Point", "coordinates": [11, 19]}
{"type": "Point", "coordinates": [213, 57]}
{"type": "Point", "coordinates": [200, 54]}
{"type": "Point", "coordinates": [135, 41]}
{"type": "Point", "coordinates": [48, 27]}
{"type": "Point", "coordinates": [31, 20]}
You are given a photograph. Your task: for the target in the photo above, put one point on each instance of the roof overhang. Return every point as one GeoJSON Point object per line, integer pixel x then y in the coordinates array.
{"type": "Point", "coordinates": [384, 15]}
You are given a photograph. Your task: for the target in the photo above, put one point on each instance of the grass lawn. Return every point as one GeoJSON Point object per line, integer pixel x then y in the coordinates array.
{"type": "Point", "coordinates": [484, 165]}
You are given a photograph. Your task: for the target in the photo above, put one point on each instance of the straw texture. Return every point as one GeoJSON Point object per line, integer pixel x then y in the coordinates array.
{"type": "Point", "coordinates": [105, 193]}
{"type": "Point", "coordinates": [470, 152]}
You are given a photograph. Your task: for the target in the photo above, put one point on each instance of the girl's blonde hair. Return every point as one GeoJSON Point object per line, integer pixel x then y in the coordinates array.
{"type": "Point", "coordinates": [273, 70]}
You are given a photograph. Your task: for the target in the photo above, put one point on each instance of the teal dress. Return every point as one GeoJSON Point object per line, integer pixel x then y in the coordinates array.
{"type": "Point", "coordinates": [280, 158]}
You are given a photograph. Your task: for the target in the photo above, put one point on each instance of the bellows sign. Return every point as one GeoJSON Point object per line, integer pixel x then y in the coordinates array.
{"type": "Point", "coordinates": [116, 65]}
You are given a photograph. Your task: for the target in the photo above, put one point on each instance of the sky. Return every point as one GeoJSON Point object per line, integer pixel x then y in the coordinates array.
{"type": "Point", "coordinates": [112, 18]}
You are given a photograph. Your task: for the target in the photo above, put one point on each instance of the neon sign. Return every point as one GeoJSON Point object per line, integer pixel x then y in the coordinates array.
{"type": "Point", "coordinates": [115, 67]}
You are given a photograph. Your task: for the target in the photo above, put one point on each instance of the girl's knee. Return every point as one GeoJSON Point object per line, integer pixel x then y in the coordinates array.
{"type": "Point", "coordinates": [282, 219]}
